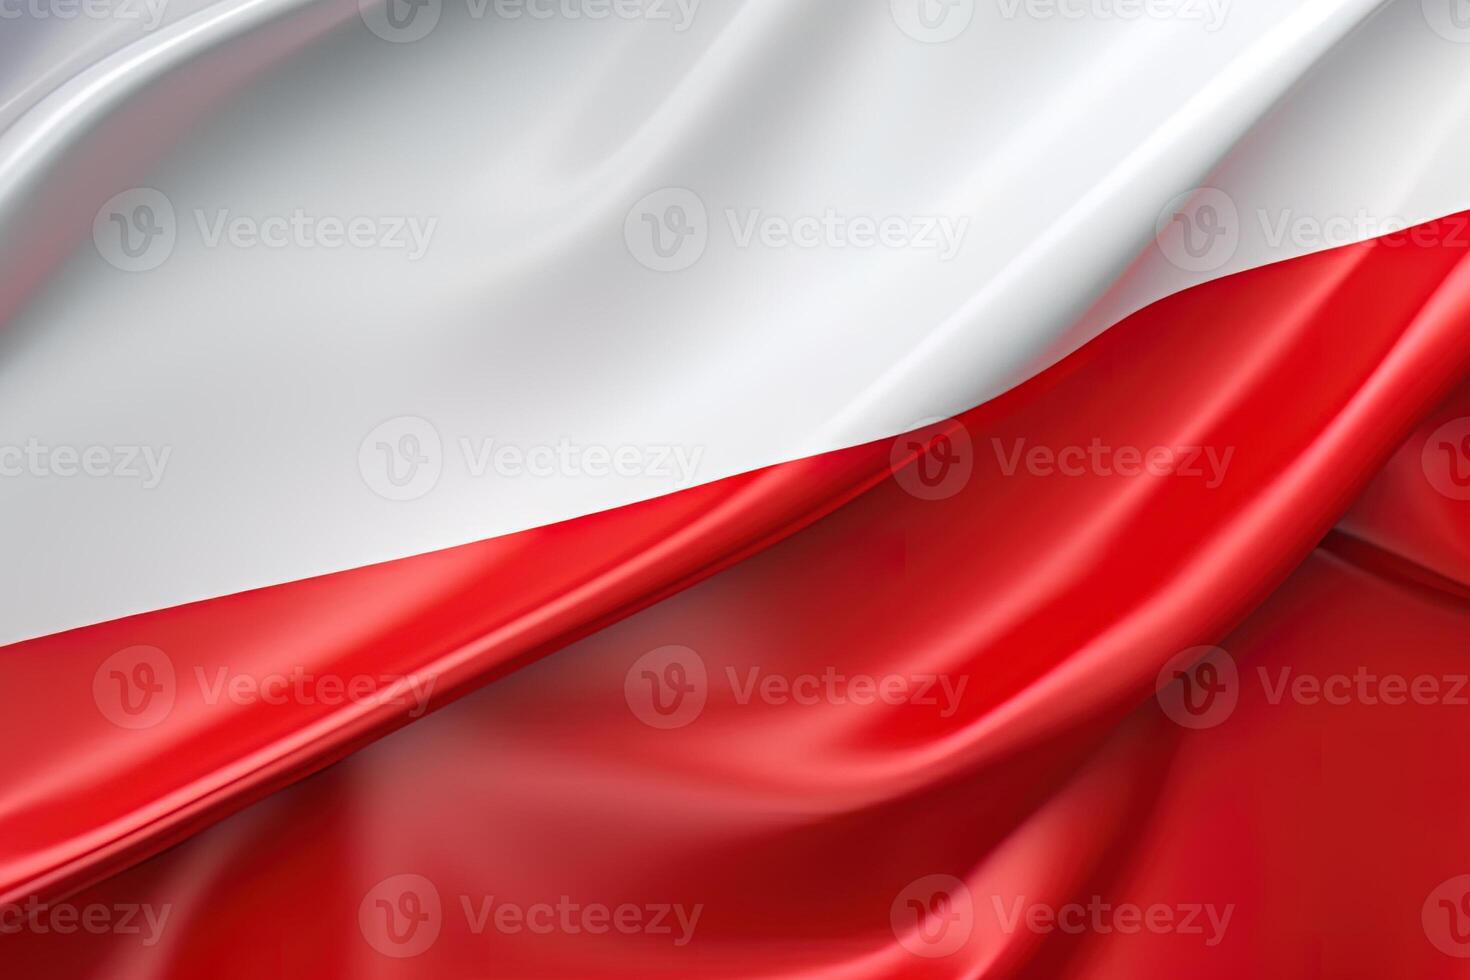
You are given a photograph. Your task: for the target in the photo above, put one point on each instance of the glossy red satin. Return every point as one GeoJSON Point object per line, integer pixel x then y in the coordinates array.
{"type": "Point", "coordinates": [806, 835]}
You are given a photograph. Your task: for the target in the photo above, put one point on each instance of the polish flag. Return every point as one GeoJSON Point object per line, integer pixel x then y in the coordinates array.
{"type": "Point", "coordinates": [582, 488]}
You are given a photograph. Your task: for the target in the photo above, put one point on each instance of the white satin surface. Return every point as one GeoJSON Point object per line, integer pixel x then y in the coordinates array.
{"type": "Point", "coordinates": [282, 386]}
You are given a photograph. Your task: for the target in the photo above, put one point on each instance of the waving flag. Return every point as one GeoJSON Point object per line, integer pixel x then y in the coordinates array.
{"type": "Point", "coordinates": [630, 488]}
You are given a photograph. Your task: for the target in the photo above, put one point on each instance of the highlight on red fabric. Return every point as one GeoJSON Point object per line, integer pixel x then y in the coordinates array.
{"type": "Point", "coordinates": [1002, 698]}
